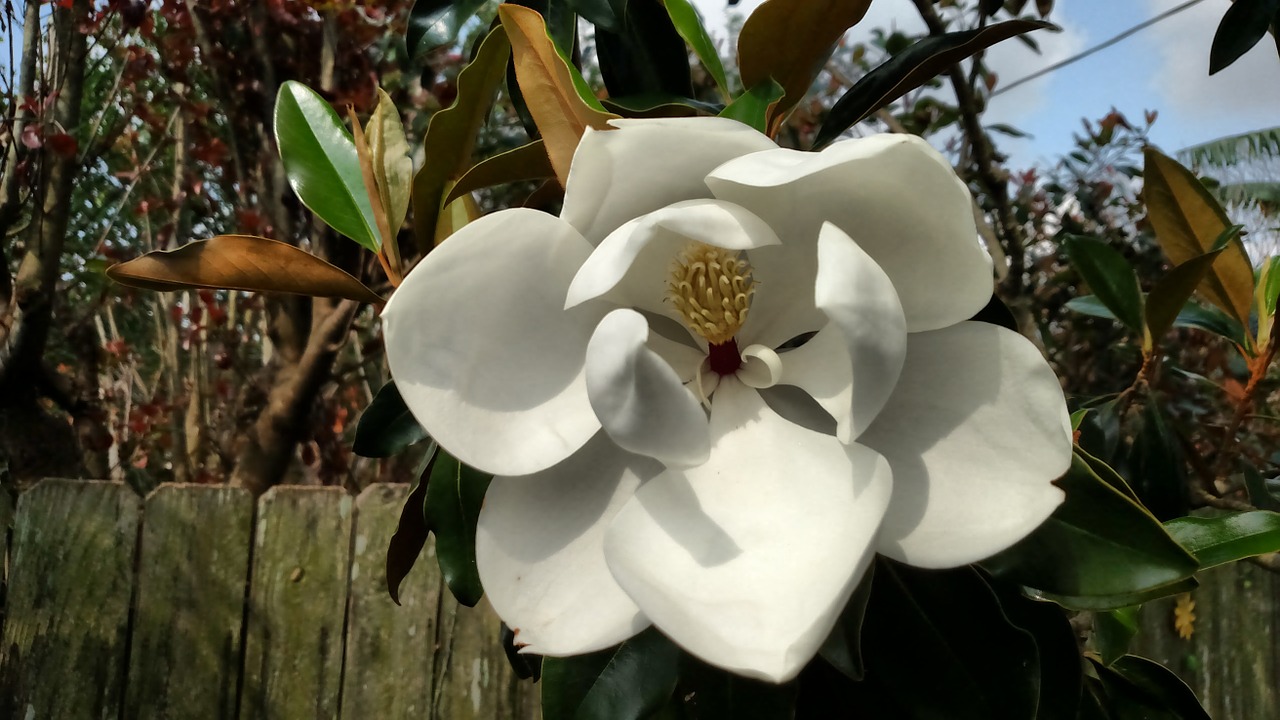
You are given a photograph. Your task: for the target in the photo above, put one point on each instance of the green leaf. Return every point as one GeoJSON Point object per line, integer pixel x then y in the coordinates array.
{"type": "Point", "coordinates": [843, 647]}
{"type": "Point", "coordinates": [1265, 296]}
{"type": "Point", "coordinates": [1156, 463]}
{"type": "Point", "coordinates": [435, 23]}
{"type": "Point", "coordinates": [411, 532]}
{"type": "Point", "coordinates": [1171, 294]}
{"type": "Point", "coordinates": [386, 427]}
{"type": "Point", "coordinates": [1058, 655]}
{"type": "Point", "coordinates": [1111, 278]}
{"type": "Point", "coordinates": [598, 12]}
{"type": "Point", "coordinates": [688, 23]}
{"type": "Point", "coordinates": [1097, 603]}
{"type": "Point", "coordinates": [1107, 474]}
{"type": "Point", "coordinates": [628, 682]}
{"type": "Point", "coordinates": [1193, 315]}
{"type": "Point", "coordinates": [527, 162]}
{"type": "Point", "coordinates": [752, 107]}
{"type": "Point", "coordinates": [320, 161]}
{"type": "Point", "coordinates": [451, 134]}
{"type": "Point", "coordinates": [1188, 222]}
{"type": "Point", "coordinates": [947, 626]}
{"type": "Point", "coordinates": [455, 493]}
{"type": "Point", "coordinates": [1140, 688]}
{"type": "Point", "coordinates": [1113, 631]}
{"type": "Point", "coordinates": [912, 68]}
{"type": "Point", "coordinates": [1097, 543]}
{"type": "Point", "coordinates": [647, 55]}
{"type": "Point", "coordinates": [659, 105]}
{"type": "Point", "coordinates": [1227, 538]}
{"type": "Point", "coordinates": [1244, 24]}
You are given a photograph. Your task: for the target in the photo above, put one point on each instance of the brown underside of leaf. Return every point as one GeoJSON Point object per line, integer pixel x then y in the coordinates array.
{"type": "Point", "coordinates": [241, 262]}
{"type": "Point", "coordinates": [790, 41]}
{"type": "Point", "coordinates": [560, 114]}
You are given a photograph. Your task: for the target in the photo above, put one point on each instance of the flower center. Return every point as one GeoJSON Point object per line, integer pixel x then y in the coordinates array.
{"type": "Point", "coordinates": [711, 288]}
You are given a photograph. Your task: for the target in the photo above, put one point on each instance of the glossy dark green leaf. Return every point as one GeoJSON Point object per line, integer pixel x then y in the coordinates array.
{"type": "Point", "coordinates": [646, 56]}
{"type": "Point", "coordinates": [688, 22]}
{"type": "Point", "coordinates": [1097, 603]}
{"type": "Point", "coordinates": [411, 533]}
{"type": "Point", "coordinates": [1110, 277]}
{"type": "Point", "coordinates": [1097, 543]}
{"type": "Point", "coordinates": [628, 682]}
{"type": "Point", "coordinates": [601, 13]}
{"type": "Point", "coordinates": [455, 493]}
{"type": "Point", "coordinates": [1170, 295]}
{"type": "Point", "coordinates": [1140, 689]}
{"type": "Point", "coordinates": [659, 106]}
{"type": "Point", "coordinates": [527, 162]}
{"type": "Point", "coordinates": [526, 666]}
{"type": "Point", "coordinates": [1244, 24]}
{"type": "Point", "coordinates": [947, 626]}
{"type": "Point", "coordinates": [1113, 630]}
{"type": "Point", "coordinates": [1227, 538]}
{"type": "Point", "coordinates": [997, 313]}
{"type": "Point", "coordinates": [1057, 652]}
{"type": "Point", "coordinates": [320, 161]}
{"type": "Point", "coordinates": [709, 693]}
{"type": "Point", "coordinates": [386, 427]}
{"type": "Point", "coordinates": [843, 647]}
{"type": "Point", "coordinates": [752, 107]}
{"type": "Point", "coordinates": [436, 23]}
{"type": "Point", "coordinates": [1193, 315]}
{"type": "Point", "coordinates": [1261, 496]}
{"type": "Point", "coordinates": [912, 68]}
{"type": "Point", "coordinates": [1107, 474]}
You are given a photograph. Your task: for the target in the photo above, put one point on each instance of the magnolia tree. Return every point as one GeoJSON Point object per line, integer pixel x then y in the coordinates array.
{"type": "Point", "coordinates": [727, 429]}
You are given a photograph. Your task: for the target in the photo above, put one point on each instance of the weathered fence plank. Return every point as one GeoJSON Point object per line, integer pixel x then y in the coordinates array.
{"type": "Point", "coordinates": [390, 650]}
{"type": "Point", "coordinates": [192, 572]}
{"type": "Point", "coordinates": [70, 587]}
{"type": "Point", "coordinates": [298, 597]}
{"type": "Point", "coordinates": [1232, 661]}
{"type": "Point", "coordinates": [474, 681]}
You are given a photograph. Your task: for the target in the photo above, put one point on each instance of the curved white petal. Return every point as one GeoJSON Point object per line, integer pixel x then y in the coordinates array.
{"type": "Point", "coordinates": [618, 175]}
{"type": "Point", "coordinates": [748, 560]}
{"type": "Point", "coordinates": [540, 551]}
{"type": "Point", "coordinates": [895, 196]}
{"type": "Point", "coordinates": [632, 266]}
{"type": "Point", "coordinates": [853, 364]}
{"type": "Point", "coordinates": [976, 431]}
{"type": "Point", "coordinates": [482, 350]}
{"type": "Point", "coordinates": [639, 398]}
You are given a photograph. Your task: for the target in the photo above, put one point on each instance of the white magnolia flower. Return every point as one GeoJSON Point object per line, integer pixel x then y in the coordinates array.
{"type": "Point", "coordinates": [721, 381]}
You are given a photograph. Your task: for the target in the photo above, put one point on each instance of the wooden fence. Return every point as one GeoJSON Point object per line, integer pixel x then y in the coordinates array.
{"type": "Point", "coordinates": [190, 605]}
{"type": "Point", "coordinates": [195, 604]}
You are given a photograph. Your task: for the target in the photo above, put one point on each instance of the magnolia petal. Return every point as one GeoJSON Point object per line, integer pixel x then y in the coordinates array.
{"type": "Point", "coordinates": [895, 196]}
{"type": "Point", "coordinates": [540, 552]}
{"type": "Point", "coordinates": [747, 561]}
{"type": "Point", "coordinates": [618, 175]}
{"type": "Point", "coordinates": [641, 402]}
{"type": "Point", "coordinates": [482, 350]}
{"type": "Point", "coordinates": [632, 266]}
{"type": "Point", "coordinates": [870, 336]}
{"type": "Point", "coordinates": [683, 358]}
{"type": "Point", "coordinates": [975, 431]}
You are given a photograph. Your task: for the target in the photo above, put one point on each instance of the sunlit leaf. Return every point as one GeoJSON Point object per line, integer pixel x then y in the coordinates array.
{"type": "Point", "coordinates": [752, 107]}
{"type": "Point", "coordinates": [320, 161]}
{"type": "Point", "coordinates": [241, 262]}
{"type": "Point", "coordinates": [451, 134]}
{"type": "Point", "coordinates": [688, 22]}
{"type": "Point", "coordinates": [912, 68]}
{"type": "Point", "coordinates": [790, 41]}
{"type": "Point", "coordinates": [393, 166]}
{"type": "Point", "coordinates": [548, 88]}
{"type": "Point", "coordinates": [1188, 222]}
{"type": "Point", "coordinates": [1265, 296]}
{"type": "Point", "coordinates": [1227, 538]}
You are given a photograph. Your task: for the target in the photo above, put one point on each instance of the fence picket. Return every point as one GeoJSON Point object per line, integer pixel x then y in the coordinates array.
{"type": "Point", "coordinates": [474, 680]}
{"type": "Point", "coordinates": [70, 587]}
{"type": "Point", "coordinates": [390, 650]}
{"type": "Point", "coordinates": [192, 572]}
{"type": "Point", "coordinates": [297, 602]}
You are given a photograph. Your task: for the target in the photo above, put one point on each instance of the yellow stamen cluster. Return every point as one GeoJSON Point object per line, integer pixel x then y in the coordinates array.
{"type": "Point", "coordinates": [711, 288]}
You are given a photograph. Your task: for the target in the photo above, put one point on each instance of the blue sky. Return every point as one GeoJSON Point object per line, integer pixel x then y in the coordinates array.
{"type": "Point", "coordinates": [1163, 68]}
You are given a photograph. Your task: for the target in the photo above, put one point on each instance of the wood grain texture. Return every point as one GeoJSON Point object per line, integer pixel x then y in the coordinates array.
{"type": "Point", "coordinates": [474, 681]}
{"type": "Point", "coordinates": [192, 572]}
{"type": "Point", "coordinates": [70, 588]}
{"type": "Point", "coordinates": [297, 604]}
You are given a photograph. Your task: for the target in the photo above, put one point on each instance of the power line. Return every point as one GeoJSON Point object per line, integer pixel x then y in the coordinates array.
{"type": "Point", "coordinates": [1097, 48]}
